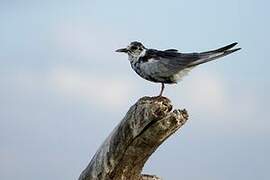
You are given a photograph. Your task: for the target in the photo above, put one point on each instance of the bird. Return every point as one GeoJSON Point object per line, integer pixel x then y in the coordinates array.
{"type": "Point", "coordinates": [169, 66]}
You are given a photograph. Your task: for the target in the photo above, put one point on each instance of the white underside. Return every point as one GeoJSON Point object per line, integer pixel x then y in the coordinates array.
{"type": "Point", "coordinates": [179, 76]}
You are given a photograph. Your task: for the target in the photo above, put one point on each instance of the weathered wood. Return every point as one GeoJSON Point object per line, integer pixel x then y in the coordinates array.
{"type": "Point", "coordinates": [123, 154]}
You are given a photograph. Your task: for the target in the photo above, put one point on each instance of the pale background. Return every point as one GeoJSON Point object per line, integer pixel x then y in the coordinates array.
{"type": "Point", "coordinates": [63, 88]}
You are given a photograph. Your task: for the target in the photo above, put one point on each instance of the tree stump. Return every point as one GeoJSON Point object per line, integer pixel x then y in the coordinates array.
{"type": "Point", "coordinates": [123, 154]}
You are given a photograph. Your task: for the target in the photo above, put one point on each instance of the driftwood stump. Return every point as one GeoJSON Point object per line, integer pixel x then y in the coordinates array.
{"type": "Point", "coordinates": [123, 154]}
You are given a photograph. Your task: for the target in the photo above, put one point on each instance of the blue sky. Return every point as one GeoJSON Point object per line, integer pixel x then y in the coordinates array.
{"type": "Point", "coordinates": [63, 88]}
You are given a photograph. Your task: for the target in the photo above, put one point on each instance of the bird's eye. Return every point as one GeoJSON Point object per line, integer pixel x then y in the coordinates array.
{"type": "Point", "coordinates": [133, 48]}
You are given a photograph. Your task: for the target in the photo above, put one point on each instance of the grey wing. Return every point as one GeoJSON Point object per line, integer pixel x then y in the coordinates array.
{"type": "Point", "coordinates": [169, 62]}
{"type": "Point", "coordinates": [165, 63]}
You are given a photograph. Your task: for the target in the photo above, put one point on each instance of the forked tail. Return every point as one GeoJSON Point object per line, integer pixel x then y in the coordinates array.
{"type": "Point", "coordinates": [214, 54]}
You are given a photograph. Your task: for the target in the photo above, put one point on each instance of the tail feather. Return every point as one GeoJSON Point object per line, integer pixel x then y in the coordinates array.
{"type": "Point", "coordinates": [222, 49]}
{"type": "Point", "coordinates": [214, 54]}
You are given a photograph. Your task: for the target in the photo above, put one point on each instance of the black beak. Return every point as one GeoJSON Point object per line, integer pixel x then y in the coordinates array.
{"type": "Point", "coordinates": [124, 50]}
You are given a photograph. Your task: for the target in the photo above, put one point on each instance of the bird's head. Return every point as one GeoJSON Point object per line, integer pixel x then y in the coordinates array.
{"type": "Point", "coordinates": [134, 49]}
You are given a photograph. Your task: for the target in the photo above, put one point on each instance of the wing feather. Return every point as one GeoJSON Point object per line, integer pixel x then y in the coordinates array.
{"type": "Point", "coordinates": [166, 63]}
{"type": "Point", "coordinates": [169, 62]}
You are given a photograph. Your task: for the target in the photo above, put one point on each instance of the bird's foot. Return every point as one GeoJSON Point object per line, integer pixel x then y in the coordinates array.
{"type": "Point", "coordinates": [161, 98]}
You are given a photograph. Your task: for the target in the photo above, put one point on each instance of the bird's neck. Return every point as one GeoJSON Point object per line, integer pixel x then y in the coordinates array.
{"type": "Point", "coordinates": [132, 58]}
